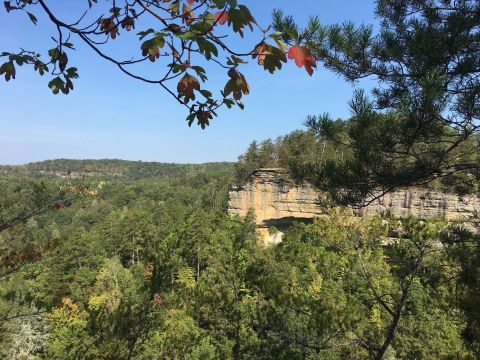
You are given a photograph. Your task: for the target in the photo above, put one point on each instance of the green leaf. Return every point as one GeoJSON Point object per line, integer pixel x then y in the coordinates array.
{"type": "Point", "coordinates": [200, 72]}
{"type": "Point", "coordinates": [221, 3]}
{"type": "Point", "coordinates": [115, 11]}
{"type": "Point", "coordinates": [8, 69]}
{"type": "Point", "coordinates": [142, 34]}
{"type": "Point", "coordinates": [40, 67]}
{"type": "Point", "coordinates": [69, 45]}
{"type": "Point", "coordinates": [72, 73]}
{"type": "Point", "coordinates": [174, 7]}
{"type": "Point", "coordinates": [32, 18]}
{"type": "Point", "coordinates": [54, 54]}
{"type": "Point", "coordinates": [207, 48]}
{"type": "Point", "coordinates": [56, 85]}
{"type": "Point", "coordinates": [190, 119]}
{"type": "Point", "coordinates": [151, 47]}
{"type": "Point", "coordinates": [206, 93]}
{"type": "Point", "coordinates": [237, 60]}
{"type": "Point", "coordinates": [228, 102]}
{"type": "Point", "coordinates": [187, 35]}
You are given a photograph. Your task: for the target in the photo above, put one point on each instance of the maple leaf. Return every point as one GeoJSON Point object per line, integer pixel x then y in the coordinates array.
{"type": "Point", "coordinates": [108, 27]}
{"type": "Point", "coordinates": [187, 85]}
{"type": "Point", "coordinates": [152, 47]}
{"type": "Point", "coordinates": [237, 85]}
{"type": "Point", "coordinates": [8, 69]}
{"type": "Point", "coordinates": [303, 57]}
{"type": "Point", "coordinates": [128, 23]}
{"type": "Point", "coordinates": [221, 17]}
{"type": "Point", "coordinates": [204, 118]}
{"type": "Point", "coordinates": [270, 57]}
{"type": "Point", "coordinates": [240, 18]}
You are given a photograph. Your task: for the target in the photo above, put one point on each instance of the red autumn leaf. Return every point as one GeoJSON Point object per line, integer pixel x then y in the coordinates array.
{"type": "Point", "coordinates": [157, 300]}
{"type": "Point", "coordinates": [221, 17]}
{"type": "Point", "coordinates": [303, 57]}
{"type": "Point", "coordinates": [60, 205]}
{"type": "Point", "coordinates": [187, 85]}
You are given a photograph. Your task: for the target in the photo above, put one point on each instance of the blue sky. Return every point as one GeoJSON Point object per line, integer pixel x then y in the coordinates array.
{"type": "Point", "coordinates": [109, 115]}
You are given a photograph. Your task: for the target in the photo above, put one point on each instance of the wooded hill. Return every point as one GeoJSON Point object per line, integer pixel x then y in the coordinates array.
{"type": "Point", "coordinates": [115, 167]}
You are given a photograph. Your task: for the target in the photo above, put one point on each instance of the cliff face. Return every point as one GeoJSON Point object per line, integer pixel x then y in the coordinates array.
{"type": "Point", "coordinates": [276, 202]}
{"type": "Point", "coordinates": [273, 200]}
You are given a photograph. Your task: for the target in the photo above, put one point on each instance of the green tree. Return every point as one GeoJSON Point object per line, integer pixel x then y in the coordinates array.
{"type": "Point", "coordinates": [422, 121]}
{"type": "Point", "coordinates": [248, 162]}
{"type": "Point", "coordinates": [463, 247]}
{"type": "Point", "coordinates": [227, 305]}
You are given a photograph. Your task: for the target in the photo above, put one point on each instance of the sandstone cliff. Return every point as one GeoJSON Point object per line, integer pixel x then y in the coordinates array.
{"type": "Point", "coordinates": [277, 202]}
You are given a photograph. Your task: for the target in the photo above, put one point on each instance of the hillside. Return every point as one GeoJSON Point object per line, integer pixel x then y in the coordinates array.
{"type": "Point", "coordinates": [151, 264]}
{"type": "Point", "coordinates": [133, 170]}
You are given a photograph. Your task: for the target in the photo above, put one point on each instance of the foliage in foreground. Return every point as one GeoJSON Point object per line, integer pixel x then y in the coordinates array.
{"type": "Point", "coordinates": [188, 39]}
{"type": "Point", "coordinates": [421, 122]}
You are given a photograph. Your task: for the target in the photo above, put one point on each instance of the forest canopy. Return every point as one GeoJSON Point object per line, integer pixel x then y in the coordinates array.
{"type": "Point", "coordinates": [154, 268]}
{"type": "Point", "coordinates": [306, 156]}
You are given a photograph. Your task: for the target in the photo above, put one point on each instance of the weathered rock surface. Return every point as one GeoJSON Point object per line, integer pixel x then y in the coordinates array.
{"type": "Point", "coordinates": [277, 201]}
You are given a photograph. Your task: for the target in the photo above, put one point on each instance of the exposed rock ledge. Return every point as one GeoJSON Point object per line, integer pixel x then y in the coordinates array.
{"type": "Point", "coordinates": [277, 202]}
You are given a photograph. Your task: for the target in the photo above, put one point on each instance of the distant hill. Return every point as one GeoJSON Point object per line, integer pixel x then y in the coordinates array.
{"type": "Point", "coordinates": [119, 168]}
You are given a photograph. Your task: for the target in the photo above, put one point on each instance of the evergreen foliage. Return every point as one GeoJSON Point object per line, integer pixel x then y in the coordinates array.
{"type": "Point", "coordinates": [422, 120]}
{"type": "Point", "coordinates": [154, 268]}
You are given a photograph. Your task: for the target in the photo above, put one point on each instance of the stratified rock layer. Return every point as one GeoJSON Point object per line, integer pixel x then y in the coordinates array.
{"type": "Point", "coordinates": [276, 201]}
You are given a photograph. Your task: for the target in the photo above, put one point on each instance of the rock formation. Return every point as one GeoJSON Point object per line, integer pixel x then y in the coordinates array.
{"type": "Point", "coordinates": [277, 201]}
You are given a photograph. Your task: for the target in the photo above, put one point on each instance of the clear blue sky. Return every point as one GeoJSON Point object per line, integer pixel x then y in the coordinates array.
{"type": "Point", "coordinates": [109, 115]}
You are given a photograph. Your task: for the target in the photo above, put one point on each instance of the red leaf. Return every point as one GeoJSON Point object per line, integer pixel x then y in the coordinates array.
{"type": "Point", "coordinates": [221, 17]}
{"type": "Point", "coordinates": [187, 85]}
{"type": "Point", "coordinates": [157, 300]}
{"type": "Point", "coordinates": [303, 57]}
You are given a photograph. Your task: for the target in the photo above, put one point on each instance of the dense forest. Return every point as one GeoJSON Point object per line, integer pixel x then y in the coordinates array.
{"type": "Point", "coordinates": [307, 156]}
{"type": "Point", "coordinates": [112, 259]}
{"type": "Point", "coordinates": [152, 267]}
{"type": "Point", "coordinates": [108, 167]}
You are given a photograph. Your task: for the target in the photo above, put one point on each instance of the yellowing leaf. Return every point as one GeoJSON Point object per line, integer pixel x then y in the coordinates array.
{"type": "Point", "coordinates": [270, 57]}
